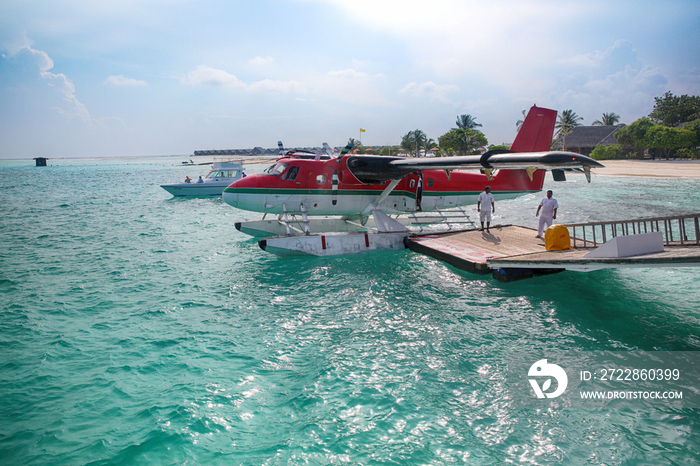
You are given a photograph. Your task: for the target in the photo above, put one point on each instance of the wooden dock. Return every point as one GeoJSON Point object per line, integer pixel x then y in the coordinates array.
{"type": "Point", "coordinates": [471, 250]}
{"type": "Point", "coordinates": [513, 252]}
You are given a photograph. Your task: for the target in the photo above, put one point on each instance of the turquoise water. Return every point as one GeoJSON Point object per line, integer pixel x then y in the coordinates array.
{"type": "Point", "coordinates": [137, 328]}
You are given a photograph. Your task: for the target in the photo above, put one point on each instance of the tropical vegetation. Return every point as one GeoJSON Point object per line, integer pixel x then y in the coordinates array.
{"type": "Point", "coordinates": [672, 111]}
{"type": "Point", "coordinates": [415, 142]}
{"type": "Point", "coordinates": [519, 123]}
{"type": "Point", "coordinates": [467, 122]}
{"type": "Point", "coordinates": [672, 129]}
{"type": "Point", "coordinates": [567, 121]}
{"type": "Point", "coordinates": [462, 141]}
{"type": "Point", "coordinates": [609, 119]}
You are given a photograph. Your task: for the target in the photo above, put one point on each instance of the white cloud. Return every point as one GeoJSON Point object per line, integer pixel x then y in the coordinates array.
{"type": "Point", "coordinates": [43, 60]}
{"type": "Point", "coordinates": [121, 80]}
{"type": "Point", "coordinates": [270, 86]}
{"type": "Point", "coordinates": [75, 109]}
{"type": "Point", "coordinates": [435, 92]}
{"type": "Point", "coordinates": [59, 81]}
{"type": "Point", "coordinates": [350, 86]}
{"type": "Point", "coordinates": [261, 61]}
{"type": "Point", "coordinates": [689, 82]}
{"type": "Point", "coordinates": [13, 38]}
{"type": "Point", "coordinates": [612, 80]}
{"type": "Point", "coordinates": [618, 55]}
{"type": "Point", "coordinates": [207, 76]}
{"type": "Point", "coordinates": [348, 74]}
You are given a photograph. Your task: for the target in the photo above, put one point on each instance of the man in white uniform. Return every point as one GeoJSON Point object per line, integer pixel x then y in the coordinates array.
{"type": "Point", "coordinates": [549, 207]}
{"type": "Point", "coordinates": [485, 205]}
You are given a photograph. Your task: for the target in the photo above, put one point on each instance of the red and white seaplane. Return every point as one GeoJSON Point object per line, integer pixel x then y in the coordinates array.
{"type": "Point", "coordinates": [328, 205]}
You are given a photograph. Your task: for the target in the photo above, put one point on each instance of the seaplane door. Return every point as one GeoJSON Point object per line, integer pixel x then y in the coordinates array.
{"type": "Point", "coordinates": [430, 184]}
{"type": "Point", "coordinates": [412, 184]}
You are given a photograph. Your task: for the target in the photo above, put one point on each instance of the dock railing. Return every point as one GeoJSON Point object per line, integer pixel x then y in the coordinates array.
{"type": "Point", "coordinates": [676, 230]}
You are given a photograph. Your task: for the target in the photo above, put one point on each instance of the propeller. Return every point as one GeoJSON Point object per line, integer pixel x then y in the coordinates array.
{"type": "Point", "coordinates": [345, 150]}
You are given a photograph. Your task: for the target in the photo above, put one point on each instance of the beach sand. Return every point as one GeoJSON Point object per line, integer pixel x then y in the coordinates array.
{"type": "Point", "coordinates": [656, 168]}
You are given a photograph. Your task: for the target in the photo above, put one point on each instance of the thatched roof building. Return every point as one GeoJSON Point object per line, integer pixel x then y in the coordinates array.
{"type": "Point", "coordinates": [583, 139]}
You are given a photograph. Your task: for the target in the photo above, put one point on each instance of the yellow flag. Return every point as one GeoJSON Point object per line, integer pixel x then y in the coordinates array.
{"type": "Point", "coordinates": [362, 130]}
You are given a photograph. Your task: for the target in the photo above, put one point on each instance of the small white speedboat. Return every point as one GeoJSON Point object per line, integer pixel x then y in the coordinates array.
{"type": "Point", "coordinates": [222, 174]}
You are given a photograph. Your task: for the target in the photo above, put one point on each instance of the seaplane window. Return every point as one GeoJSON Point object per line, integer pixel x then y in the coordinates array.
{"type": "Point", "coordinates": [412, 184]}
{"type": "Point", "coordinates": [321, 179]}
{"type": "Point", "coordinates": [357, 163]}
{"type": "Point", "coordinates": [276, 169]}
{"type": "Point", "coordinates": [431, 182]}
{"type": "Point", "coordinates": [291, 175]}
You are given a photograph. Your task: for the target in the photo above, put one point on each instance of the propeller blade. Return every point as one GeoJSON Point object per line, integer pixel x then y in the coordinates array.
{"type": "Point", "coordinates": [345, 150]}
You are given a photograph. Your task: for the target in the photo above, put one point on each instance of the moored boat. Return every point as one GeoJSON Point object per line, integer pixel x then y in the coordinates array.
{"type": "Point", "coordinates": [223, 173]}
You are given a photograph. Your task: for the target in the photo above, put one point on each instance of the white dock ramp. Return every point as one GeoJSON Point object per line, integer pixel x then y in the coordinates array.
{"type": "Point", "coordinates": [629, 246]}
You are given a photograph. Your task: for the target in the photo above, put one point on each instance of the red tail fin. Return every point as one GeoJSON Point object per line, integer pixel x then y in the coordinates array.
{"type": "Point", "coordinates": [536, 132]}
{"type": "Point", "coordinates": [535, 135]}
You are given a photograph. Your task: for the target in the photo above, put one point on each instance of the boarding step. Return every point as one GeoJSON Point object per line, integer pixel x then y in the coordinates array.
{"type": "Point", "coordinates": [447, 217]}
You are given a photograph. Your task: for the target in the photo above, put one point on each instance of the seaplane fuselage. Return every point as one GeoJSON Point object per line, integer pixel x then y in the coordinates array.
{"type": "Point", "coordinates": [329, 187]}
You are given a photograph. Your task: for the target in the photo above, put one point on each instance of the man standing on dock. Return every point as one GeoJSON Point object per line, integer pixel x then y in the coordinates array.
{"type": "Point", "coordinates": [549, 207]}
{"type": "Point", "coordinates": [486, 201]}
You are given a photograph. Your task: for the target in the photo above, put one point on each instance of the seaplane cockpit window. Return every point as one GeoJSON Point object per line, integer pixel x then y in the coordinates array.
{"type": "Point", "coordinates": [291, 175]}
{"type": "Point", "coordinates": [276, 169]}
{"type": "Point", "coordinates": [431, 182]}
{"type": "Point", "coordinates": [412, 184]}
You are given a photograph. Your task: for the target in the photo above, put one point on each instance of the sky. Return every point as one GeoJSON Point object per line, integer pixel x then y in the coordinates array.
{"type": "Point", "coordinates": [80, 78]}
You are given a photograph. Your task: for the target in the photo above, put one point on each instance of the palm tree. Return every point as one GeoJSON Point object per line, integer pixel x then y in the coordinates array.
{"type": "Point", "coordinates": [567, 121]}
{"type": "Point", "coordinates": [414, 141]}
{"type": "Point", "coordinates": [356, 145]}
{"type": "Point", "coordinates": [467, 122]}
{"type": "Point", "coordinates": [609, 119]}
{"type": "Point", "coordinates": [421, 140]}
{"type": "Point", "coordinates": [519, 123]}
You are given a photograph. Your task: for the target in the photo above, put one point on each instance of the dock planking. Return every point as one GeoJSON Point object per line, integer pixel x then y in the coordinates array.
{"type": "Point", "coordinates": [514, 251]}
{"type": "Point", "coordinates": [471, 250]}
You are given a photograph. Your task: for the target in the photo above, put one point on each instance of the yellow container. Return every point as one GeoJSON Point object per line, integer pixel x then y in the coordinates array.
{"type": "Point", "coordinates": [556, 238]}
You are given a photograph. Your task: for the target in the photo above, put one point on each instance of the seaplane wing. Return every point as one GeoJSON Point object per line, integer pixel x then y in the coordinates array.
{"type": "Point", "coordinates": [376, 169]}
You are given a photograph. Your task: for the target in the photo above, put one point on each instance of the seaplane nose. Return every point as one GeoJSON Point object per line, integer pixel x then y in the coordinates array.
{"type": "Point", "coordinates": [230, 195]}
